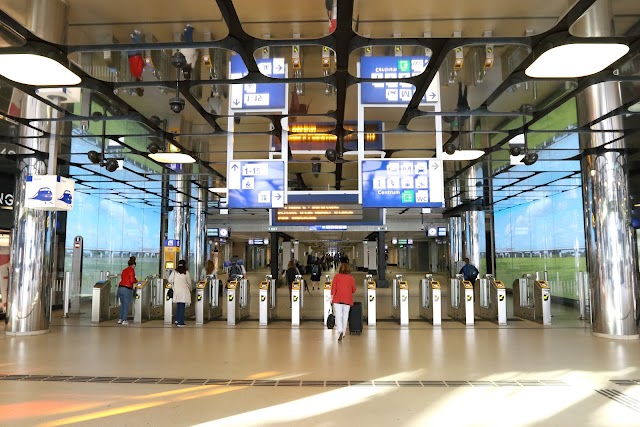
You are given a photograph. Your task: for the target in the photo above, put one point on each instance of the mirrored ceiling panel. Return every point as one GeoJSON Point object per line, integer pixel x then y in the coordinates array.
{"type": "Point", "coordinates": [393, 62]}
{"type": "Point", "coordinates": [308, 124]}
{"type": "Point", "coordinates": [293, 61]}
{"type": "Point", "coordinates": [284, 19]}
{"type": "Point", "coordinates": [625, 17]}
{"type": "Point", "coordinates": [533, 95]}
{"type": "Point", "coordinates": [414, 18]}
{"type": "Point", "coordinates": [248, 123]}
{"type": "Point", "coordinates": [153, 65]}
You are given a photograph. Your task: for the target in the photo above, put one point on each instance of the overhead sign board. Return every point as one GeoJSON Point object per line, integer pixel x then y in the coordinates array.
{"type": "Point", "coordinates": [258, 96]}
{"type": "Point", "coordinates": [392, 68]}
{"type": "Point", "coordinates": [402, 183]}
{"type": "Point", "coordinates": [255, 184]}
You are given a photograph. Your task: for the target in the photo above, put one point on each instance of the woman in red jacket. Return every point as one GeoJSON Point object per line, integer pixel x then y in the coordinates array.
{"type": "Point", "coordinates": [343, 287]}
{"type": "Point", "coordinates": [125, 290]}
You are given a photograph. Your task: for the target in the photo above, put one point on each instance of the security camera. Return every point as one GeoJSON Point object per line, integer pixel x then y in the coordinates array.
{"type": "Point", "coordinates": [94, 157]}
{"type": "Point", "coordinates": [530, 158]}
{"type": "Point", "coordinates": [176, 104]}
{"type": "Point", "coordinates": [236, 120]}
{"type": "Point", "coordinates": [331, 155]}
{"type": "Point", "coordinates": [449, 148]}
{"type": "Point", "coordinates": [515, 150]}
{"type": "Point", "coordinates": [111, 165]}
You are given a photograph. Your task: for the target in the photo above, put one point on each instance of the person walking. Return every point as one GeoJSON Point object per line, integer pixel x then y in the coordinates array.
{"type": "Point", "coordinates": [469, 271]}
{"type": "Point", "coordinates": [125, 290]}
{"type": "Point", "coordinates": [181, 283]}
{"type": "Point", "coordinates": [316, 272]}
{"type": "Point", "coordinates": [290, 276]}
{"type": "Point", "coordinates": [343, 286]}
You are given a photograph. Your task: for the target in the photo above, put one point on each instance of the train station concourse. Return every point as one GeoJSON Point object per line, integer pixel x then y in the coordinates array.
{"type": "Point", "coordinates": [190, 190]}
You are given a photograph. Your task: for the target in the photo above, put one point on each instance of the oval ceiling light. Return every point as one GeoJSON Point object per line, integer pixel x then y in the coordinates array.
{"type": "Point", "coordinates": [576, 60]}
{"type": "Point", "coordinates": [172, 158]}
{"type": "Point", "coordinates": [463, 155]}
{"type": "Point", "coordinates": [36, 70]}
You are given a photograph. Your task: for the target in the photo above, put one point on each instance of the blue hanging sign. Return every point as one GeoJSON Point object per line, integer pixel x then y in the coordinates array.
{"type": "Point", "coordinates": [255, 184]}
{"type": "Point", "coordinates": [258, 96]}
{"type": "Point", "coordinates": [402, 183]}
{"type": "Point", "coordinates": [392, 68]}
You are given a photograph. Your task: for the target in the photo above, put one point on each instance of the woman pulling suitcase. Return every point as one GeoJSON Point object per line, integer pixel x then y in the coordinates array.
{"type": "Point", "coordinates": [343, 287]}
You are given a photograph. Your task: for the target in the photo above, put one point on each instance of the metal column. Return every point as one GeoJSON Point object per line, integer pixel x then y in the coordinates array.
{"type": "Point", "coordinates": [608, 233]}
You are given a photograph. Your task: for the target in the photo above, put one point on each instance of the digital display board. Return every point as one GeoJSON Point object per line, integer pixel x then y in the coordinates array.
{"type": "Point", "coordinates": [390, 68]}
{"type": "Point", "coordinates": [255, 184]}
{"type": "Point", "coordinates": [402, 183]}
{"type": "Point", "coordinates": [326, 217]}
{"type": "Point", "coordinates": [442, 231]}
{"type": "Point", "coordinates": [212, 232]}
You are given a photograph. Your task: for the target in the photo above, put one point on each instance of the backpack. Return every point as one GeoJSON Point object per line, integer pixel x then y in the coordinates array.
{"type": "Point", "coordinates": [234, 271]}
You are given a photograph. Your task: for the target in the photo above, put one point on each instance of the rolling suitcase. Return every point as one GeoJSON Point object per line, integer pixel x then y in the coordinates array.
{"type": "Point", "coordinates": [355, 319]}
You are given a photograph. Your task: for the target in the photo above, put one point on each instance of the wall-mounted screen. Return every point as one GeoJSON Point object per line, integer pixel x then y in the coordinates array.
{"type": "Point", "coordinates": [212, 232]}
{"type": "Point", "coordinates": [442, 231]}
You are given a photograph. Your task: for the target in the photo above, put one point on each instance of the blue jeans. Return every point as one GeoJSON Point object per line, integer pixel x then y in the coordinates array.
{"type": "Point", "coordinates": [125, 295]}
{"type": "Point", "coordinates": [180, 308]}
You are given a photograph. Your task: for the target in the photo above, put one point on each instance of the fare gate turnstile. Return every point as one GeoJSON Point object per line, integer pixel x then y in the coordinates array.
{"type": "Point", "coordinates": [267, 300]}
{"type": "Point", "coordinates": [461, 300]}
{"type": "Point", "coordinates": [532, 299]}
{"type": "Point", "coordinates": [431, 300]}
{"type": "Point", "coordinates": [491, 299]}
{"type": "Point", "coordinates": [327, 298]}
{"type": "Point", "coordinates": [207, 304]}
{"type": "Point", "coordinates": [100, 298]}
{"type": "Point", "coordinates": [189, 311]}
{"type": "Point", "coordinates": [238, 298]}
{"type": "Point", "coordinates": [370, 286]}
{"type": "Point", "coordinates": [147, 299]}
{"type": "Point", "coordinates": [400, 300]}
{"type": "Point", "coordinates": [297, 300]}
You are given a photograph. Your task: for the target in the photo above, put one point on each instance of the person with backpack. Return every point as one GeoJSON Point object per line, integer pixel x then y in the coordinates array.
{"type": "Point", "coordinates": [290, 276]}
{"type": "Point", "coordinates": [316, 272]}
{"type": "Point", "coordinates": [235, 268]}
{"type": "Point", "coordinates": [469, 271]}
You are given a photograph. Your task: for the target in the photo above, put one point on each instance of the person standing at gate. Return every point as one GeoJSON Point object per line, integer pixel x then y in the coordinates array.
{"type": "Point", "coordinates": [343, 287]}
{"type": "Point", "coordinates": [125, 290]}
{"type": "Point", "coordinates": [181, 283]}
{"type": "Point", "coordinates": [469, 271]}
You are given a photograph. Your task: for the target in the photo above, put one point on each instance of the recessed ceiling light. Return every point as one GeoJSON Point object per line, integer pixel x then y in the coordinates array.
{"type": "Point", "coordinates": [576, 60]}
{"type": "Point", "coordinates": [172, 158]}
{"type": "Point", "coordinates": [463, 155]}
{"type": "Point", "coordinates": [36, 70]}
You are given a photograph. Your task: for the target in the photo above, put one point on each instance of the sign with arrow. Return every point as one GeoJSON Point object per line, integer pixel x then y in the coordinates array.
{"type": "Point", "coordinates": [393, 68]}
{"type": "Point", "coordinates": [402, 183]}
{"type": "Point", "coordinates": [258, 96]}
{"type": "Point", "coordinates": [255, 184]}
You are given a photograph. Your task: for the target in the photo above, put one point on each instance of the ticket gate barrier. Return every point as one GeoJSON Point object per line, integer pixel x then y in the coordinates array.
{"type": "Point", "coordinates": [431, 300]}
{"type": "Point", "coordinates": [100, 297]}
{"type": "Point", "coordinates": [491, 299]}
{"type": "Point", "coordinates": [532, 299]}
{"type": "Point", "coordinates": [238, 298]}
{"type": "Point", "coordinates": [147, 299]}
{"type": "Point", "coordinates": [461, 300]}
{"type": "Point", "coordinates": [207, 300]}
{"type": "Point", "coordinates": [297, 300]}
{"type": "Point", "coordinates": [400, 300]}
{"type": "Point", "coordinates": [267, 300]}
{"type": "Point", "coordinates": [370, 286]}
{"type": "Point", "coordinates": [327, 298]}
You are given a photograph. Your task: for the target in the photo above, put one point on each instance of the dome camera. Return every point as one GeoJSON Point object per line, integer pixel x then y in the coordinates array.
{"type": "Point", "coordinates": [331, 155]}
{"type": "Point", "coordinates": [94, 157]}
{"type": "Point", "coordinates": [178, 60]}
{"type": "Point", "coordinates": [515, 150]}
{"type": "Point", "coordinates": [530, 158]}
{"type": "Point", "coordinates": [111, 165]}
{"type": "Point", "coordinates": [176, 104]}
{"type": "Point", "coordinates": [449, 148]}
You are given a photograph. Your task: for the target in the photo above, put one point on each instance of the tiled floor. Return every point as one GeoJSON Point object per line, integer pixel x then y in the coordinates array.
{"type": "Point", "coordinates": [151, 374]}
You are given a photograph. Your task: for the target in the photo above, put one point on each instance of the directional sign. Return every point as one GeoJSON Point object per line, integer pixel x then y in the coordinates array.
{"type": "Point", "coordinates": [394, 68]}
{"type": "Point", "coordinates": [255, 184]}
{"type": "Point", "coordinates": [402, 183]}
{"type": "Point", "coordinates": [258, 96]}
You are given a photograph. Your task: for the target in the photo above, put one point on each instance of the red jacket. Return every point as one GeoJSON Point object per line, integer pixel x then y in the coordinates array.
{"type": "Point", "coordinates": [342, 288]}
{"type": "Point", "coordinates": [128, 277]}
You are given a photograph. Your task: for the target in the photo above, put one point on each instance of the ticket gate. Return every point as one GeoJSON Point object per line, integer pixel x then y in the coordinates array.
{"type": "Point", "coordinates": [207, 300]}
{"type": "Point", "coordinates": [532, 299]}
{"type": "Point", "coordinates": [100, 301]}
{"type": "Point", "coordinates": [238, 298]}
{"type": "Point", "coordinates": [297, 300]}
{"type": "Point", "coordinates": [147, 299]}
{"type": "Point", "coordinates": [431, 300]}
{"type": "Point", "coordinates": [267, 300]}
{"type": "Point", "coordinates": [491, 299]}
{"type": "Point", "coordinates": [327, 298]}
{"type": "Point", "coordinates": [370, 286]}
{"type": "Point", "coordinates": [400, 300]}
{"type": "Point", "coordinates": [461, 300]}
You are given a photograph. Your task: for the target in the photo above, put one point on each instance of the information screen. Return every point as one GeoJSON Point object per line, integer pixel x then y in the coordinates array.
{"type": "Point", "coordinates": [326, 214]}
{"type": "Point", "coordinates": [255, 184]}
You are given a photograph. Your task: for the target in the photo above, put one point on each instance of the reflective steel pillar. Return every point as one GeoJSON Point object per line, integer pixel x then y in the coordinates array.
{"type": "Point", "coordinates": [201, 231]}
{"type": "Point", "coordinates": [609, 240]}
{"type": "Point", "coordinates": [33, 247]}
{"type": "Point", "coordinates": [455, 229]}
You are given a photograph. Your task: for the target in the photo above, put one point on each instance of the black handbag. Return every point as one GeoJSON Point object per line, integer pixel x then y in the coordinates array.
{"type": "Point", "coordinates": [331, 319]}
